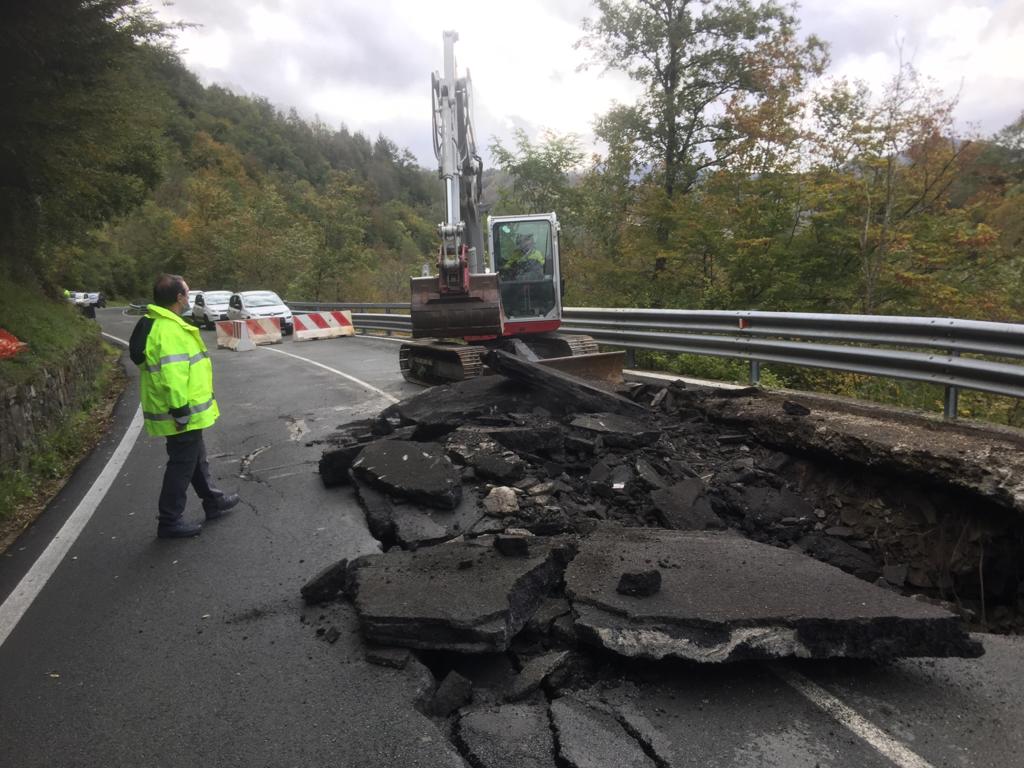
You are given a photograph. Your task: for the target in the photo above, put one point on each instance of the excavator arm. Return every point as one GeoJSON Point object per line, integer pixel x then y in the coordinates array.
{"type": "Point", "coordinates": [462, 301]}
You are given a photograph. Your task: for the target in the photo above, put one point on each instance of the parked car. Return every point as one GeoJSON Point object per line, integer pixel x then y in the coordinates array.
{"type": "Point", "coordinates": [187, 314]}
{"type": "Point", "coordinates": [87, 302]}
{"type": "Point", "coordinates": [254, 304]}
{"type": "Point", "coordinates": [85, 299]}
{"type": "Point", "coordinates": [209, 307]}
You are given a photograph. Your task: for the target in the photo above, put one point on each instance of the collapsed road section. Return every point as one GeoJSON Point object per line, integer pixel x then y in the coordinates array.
{"type": "Point", "coordinates": [539, 534]}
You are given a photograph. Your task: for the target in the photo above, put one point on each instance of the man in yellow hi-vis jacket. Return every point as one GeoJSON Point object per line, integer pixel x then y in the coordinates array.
{"type": "Point", "coordinates": [176, 386]}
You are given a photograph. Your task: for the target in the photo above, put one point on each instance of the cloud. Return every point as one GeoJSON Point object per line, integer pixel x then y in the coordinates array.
{"type": "Point", "coordinates": [368, 64]}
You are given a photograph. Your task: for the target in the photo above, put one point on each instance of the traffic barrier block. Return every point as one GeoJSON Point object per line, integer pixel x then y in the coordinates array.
{"type": "Point", "coordinates": [234, 335]}
{"type": "Point", "coordinates": [264, 330]}
{"type": "Point", "coordinates": [243, 335]}
{"type": "Point", "coordinates": [323, 325]}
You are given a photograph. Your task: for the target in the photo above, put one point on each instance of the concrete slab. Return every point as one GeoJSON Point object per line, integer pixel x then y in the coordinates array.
{"type": "Point", "coordinates": [463, 596]}
{"type": "Point", "coordinates": [725, 598]}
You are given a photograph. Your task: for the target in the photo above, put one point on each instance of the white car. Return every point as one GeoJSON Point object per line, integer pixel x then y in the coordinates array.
{"type": "Point", "coordinates": [187, 314]}
{"type": "Point", "coordinates": [209, 307]}
{"type": "Point", "coordinates": [254, 304]}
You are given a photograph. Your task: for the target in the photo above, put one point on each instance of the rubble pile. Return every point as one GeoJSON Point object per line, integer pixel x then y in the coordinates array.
{"type": "Point", "coordinates": [535, 542]}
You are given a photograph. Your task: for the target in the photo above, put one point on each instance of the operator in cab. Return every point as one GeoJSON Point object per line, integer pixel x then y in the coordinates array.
{"type": "Point", "coordinates": [526, 262]}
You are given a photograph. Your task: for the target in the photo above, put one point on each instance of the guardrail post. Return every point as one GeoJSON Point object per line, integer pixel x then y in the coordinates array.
{"type": "Point", "coordinates": [630, 358]}
{"type": "Point", "coordinates": [951, 401]}
{"type": "Point", "coordinates": [387, 311]}
{"type": "Point", "coordinates": [755, 372]}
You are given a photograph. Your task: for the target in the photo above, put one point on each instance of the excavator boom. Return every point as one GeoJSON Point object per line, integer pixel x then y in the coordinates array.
{"type": "Point", "coordinates": [462, 301]}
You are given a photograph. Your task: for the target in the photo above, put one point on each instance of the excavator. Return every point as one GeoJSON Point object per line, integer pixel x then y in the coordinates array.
{"type": "Point", "coordinates": [512, 301]}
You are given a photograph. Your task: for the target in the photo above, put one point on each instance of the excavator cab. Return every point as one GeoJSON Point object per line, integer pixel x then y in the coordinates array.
{"type": "Point", "coordinates": [524, 250]}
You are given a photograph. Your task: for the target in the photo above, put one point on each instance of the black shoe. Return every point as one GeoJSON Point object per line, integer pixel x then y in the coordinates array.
{"type": "Point", "coordinates": [179, 529]}
{"type": "Point", "coordinates": [221, 505]}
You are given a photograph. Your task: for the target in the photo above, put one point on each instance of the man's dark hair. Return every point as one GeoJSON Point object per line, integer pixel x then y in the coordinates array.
{"type": "Point", "coordinates": [167, 288]}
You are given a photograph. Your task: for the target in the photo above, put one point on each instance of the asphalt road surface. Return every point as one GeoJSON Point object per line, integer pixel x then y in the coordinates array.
{"type": "Point", "coordinates": [117, 649]}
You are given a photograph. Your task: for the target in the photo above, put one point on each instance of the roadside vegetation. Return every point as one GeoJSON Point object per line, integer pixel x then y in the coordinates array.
{"type": "Point", "coordinates": [55, 329]}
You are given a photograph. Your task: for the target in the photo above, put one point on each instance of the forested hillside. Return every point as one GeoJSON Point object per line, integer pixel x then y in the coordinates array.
{"type": "Point", "coordinates": [116, 164]}
{"type": "Point", "coordinates": [740, 180]}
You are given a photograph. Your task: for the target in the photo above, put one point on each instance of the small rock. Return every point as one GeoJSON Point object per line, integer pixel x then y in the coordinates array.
{"type": "Point", "coordinates": [895, 574]}
{"type": "Point", "coordinates": [639, 583]}
{"type": "Point", "coordinates": [512, 546]}
{"type": "Point", "coordinates": [501, 502]}
{"type": "Point", "coordinates": [795, 409]}
{"type": "Point", "coordinates": [454, 692]}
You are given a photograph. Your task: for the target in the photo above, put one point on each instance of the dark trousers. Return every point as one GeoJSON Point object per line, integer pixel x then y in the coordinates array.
{"type": "Point", "coordinates": [186, 463]}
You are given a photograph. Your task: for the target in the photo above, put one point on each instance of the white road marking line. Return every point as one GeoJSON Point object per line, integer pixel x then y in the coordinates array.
{"type": "Point", "coordinates": [885, 744]}
{"type": "Point", "coordinates": [115, 338]}
{"type": "Point", "coordinates": [32, 583]}
{"type": "Point", "coordinates": [361, 383]}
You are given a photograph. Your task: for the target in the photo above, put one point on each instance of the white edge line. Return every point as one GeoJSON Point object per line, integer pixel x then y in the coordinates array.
{"type": "Point", "coordinates": [115, 338]}
{"type": "Point", "coordinates": [32, 583]}
{"type": "Point", "coordinates": [885, 744]}
{"type": "Point", "coordinates": [361, 383]}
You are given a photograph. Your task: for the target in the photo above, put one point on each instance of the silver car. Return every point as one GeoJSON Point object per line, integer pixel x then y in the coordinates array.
{"type": "Point", "coordinates": [209, 307]}
{"type": "Point", "coordinates": [254, 304]}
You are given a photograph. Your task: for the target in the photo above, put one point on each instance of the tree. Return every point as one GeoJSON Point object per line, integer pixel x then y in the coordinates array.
{"type": "Point", "coordinates": [540, 173]}
{"type": "Point", "coordinates": [890, 166]}
{"type": "Point", "coordinates": [81, 137]}
{"type": "Point", "coordinates": [708, 69]}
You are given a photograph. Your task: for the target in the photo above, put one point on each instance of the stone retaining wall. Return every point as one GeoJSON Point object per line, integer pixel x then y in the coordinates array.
{"type": "Point", "coordinates": [30, 410]}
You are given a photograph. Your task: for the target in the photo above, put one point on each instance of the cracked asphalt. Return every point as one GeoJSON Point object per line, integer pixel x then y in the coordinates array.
{"type": "Point", "coordinates": [139, 652]}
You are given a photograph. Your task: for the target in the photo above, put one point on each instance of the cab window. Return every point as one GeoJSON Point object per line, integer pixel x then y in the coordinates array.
{"type": "Point", "coordinates": [524, 261]}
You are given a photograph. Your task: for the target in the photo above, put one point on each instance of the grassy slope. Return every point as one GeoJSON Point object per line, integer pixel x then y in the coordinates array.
{"type": "Point", "coordinates": [52, 329]}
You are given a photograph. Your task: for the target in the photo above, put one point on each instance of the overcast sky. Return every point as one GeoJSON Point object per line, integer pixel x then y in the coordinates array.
{"type": "Point", "coordinates": [367, 64]}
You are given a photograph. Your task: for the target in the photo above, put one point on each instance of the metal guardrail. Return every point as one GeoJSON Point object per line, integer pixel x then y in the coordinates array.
{"type": "Point", "coordinates": [941, 351]}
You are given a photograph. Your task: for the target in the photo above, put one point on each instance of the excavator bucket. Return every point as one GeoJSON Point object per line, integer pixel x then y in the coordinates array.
{"type": "Point", "coordinates": [476, 314]}
{"type": "Point", "coordinates": [601, 368]}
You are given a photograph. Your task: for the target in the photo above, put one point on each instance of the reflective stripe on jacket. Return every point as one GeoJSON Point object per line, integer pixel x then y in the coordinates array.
{"type": "Point", "coordinates": [176, 376]}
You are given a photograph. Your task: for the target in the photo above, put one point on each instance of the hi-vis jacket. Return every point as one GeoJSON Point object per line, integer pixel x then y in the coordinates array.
{"type": "Point", "coordinates": [176, 380]}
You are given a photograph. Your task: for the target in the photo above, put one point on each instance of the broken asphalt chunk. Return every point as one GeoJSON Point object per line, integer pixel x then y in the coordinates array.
{"type": "Point", "coordinates": [588, 738]}
{"type": "Point", "coordinates": [512, 735]}
{"type": "Point", "coordinates": [534, 673]}
{"type": "Point", "coordinates": [571, 392]}
{"type": "Point", "coordinates": [326, 585]}
{"type": "Point", "coordinates": [419, 472]}
{"type": "Point", "coordinates": [425, 600]}
{"type": "Point", "coordinates": [728, 598]}
{"type": "Point", "coordinates": [454, 692]}
{"type": "Point", "coordinates": [616, 430]}
{"type": "Point", "coordinates": [685, 507]}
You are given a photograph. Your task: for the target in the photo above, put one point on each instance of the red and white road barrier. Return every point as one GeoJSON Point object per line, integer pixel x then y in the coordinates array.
{"type": "Point", "coordinates": [323, 325]}
{"type": "Point", "coordinates": [243, 335]}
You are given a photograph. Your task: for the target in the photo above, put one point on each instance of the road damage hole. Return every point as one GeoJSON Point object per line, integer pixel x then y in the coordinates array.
{"type": "Point", "coordinates": [775, 529]}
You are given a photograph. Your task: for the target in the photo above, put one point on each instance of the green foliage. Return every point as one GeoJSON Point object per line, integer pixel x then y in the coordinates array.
{"type": "Point", "coordinates": [81, 137]}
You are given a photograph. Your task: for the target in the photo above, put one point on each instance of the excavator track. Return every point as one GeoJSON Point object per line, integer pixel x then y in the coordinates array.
{"type": "Point", "coordinates": [560, 345]}
{"type": "Point", "coordinates": [430, 363]}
